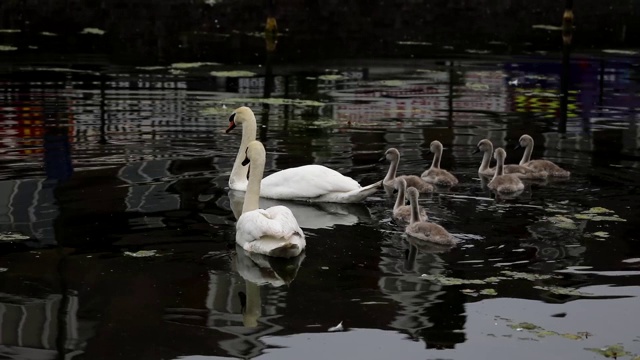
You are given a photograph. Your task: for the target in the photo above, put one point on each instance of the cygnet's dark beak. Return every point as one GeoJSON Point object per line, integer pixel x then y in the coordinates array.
{"type": "Point", "coordinates": [382, 159]}
{"type": "Point", "coordinates": [477, 150]}
{"type": "Point", "coordinates": [517, 146]}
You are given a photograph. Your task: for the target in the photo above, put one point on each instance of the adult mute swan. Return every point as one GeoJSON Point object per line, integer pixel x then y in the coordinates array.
{"type": "Point", "coordinates": [273, 231]}
{"type": "Point", "coordinates": [547, 166]}
{"type": "Point", "coordinates": [314, 183]}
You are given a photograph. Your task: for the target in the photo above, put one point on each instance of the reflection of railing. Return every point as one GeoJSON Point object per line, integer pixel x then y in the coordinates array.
{"type": "Point", "coordinates": [28, 207]}
{"type": "Point", "coordinates": [29, 327]}
{"type": "Point", "coordinates": [147, 192]}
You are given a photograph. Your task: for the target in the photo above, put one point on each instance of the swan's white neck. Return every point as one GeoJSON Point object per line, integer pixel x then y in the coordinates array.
{"type": "Point", "coordinates": [393, 167]}
{"type": "Point", "coordinates": [238, 177]}
{"type": "Point", "coordinates": [436, 159]}
{"type": "Point", "coordinates": [527, 153]}
{"type": "Point", "coordinates": [486, 159]}
{"type": "Point", "coordinates": [400, 200]}
{"type": "Point", "coordinates": [252, 196]}
{"type": "Point", "coordinates": [499, 167]}
{"type": "Point", "coordinates": [252, 310]}
{"type": "Point", "coordinates": [415, 210]}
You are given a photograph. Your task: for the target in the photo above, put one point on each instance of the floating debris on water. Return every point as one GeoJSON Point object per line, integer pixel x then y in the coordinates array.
{"type": "Point", "coordinates": [7, 48]}
{"type": "Point", "coordinates": [621, 52]}
{"type": "Point", "coordinates": [443, 280]}
{"type": "Point", "coordinates": [177, 72]}
{"type": "Point", "coordinates": [233, 73]}
{"type": "Point", "coordinates": [546, 27]}
{"type": "Point", "coordinates": [93, 31]}
{"type": "Point", "coordinates": [601, 234]}
{"type": "Point", "coordinates": [338, 327]}
{"type": "Point", "coordinates": [10, 31]}
{"type": "Point", "coordinates": [142, 253]}
{"type": "Point", "coordinates": [632, 260]}
{"type": "Point", "coordinates": [46, 33]}
{"type": "Point", "coordinates": [524, 326]}
{"type": "Point", "coordinates": [3, 270]}
{"type": "Point", "coordinates": [563, 222]}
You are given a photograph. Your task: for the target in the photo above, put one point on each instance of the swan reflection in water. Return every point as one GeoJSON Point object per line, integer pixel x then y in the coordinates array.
{"type": "Point", "coordinates": [309, 215]}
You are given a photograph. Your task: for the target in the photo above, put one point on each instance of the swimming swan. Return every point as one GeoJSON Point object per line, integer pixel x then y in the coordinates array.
{"type": "Point", "coordinates": [401, 211]}
{"type": "Point", "coordinates": [393, 155]}
{"type": "Point", "coordinates": [552, 169]}
{"type": "Point", "coordinates": [501, 182]}
{"type": "Point", "coordinates": [315, 183]}
{"type": "Point", "coordinates": [434, 174]}
{"type": "Point", "coordinates": [424, 230]}
{"type": "Point", "coordinates": [520, 171]}
{"type": "Point", "coordinates": [273, 231]}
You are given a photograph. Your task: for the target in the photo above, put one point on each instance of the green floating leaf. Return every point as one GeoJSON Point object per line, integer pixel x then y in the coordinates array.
{"type": "Point", "coordinates": [142, 253]}
{"type": "Point", "coordinates": [488, 292]}
{"type": "Point", "coordinates": [601, 234]}
{"type": "Point", "coordinates": [598, 210]}
{"type": "Point", "coordinates": [594, 217]}
{"type": "Point", "coordinates": [332, 77]}
{"type": "Point", "coordinates": [10, 236]}
{"type": "Point", "coordinates": [9, 31]}
{"type": "Point", "coordinates": [234, 73]}
{"type": "Point", "coordinates": [192, 65]}
{"type": "Point", "coordinates": [545, 333]}
{"type": "Point", "coordinates": [571, 336]}
{"type": "Point", "coordinates": [151, 68]}
{"type": "Point", "coordinates": [562, 290]}
{"type": "Point", "coordinates": [7, 48]}
{"type": "Point", "coordinates": [93, 31]}
{"type": "Point", "coordinates": [525, 326]}
{"type": "Point", "coordinates": [46, 33]}
{"type": "Point", "coordinates": [443, 280]}
{"type": "Point", "coordinates": [526, 276]}
{"type": "Point", "coordinates": [612, 351]}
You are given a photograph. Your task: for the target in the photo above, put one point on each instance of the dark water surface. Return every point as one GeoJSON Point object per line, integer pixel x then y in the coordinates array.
{"type": "Point", "coordinates": [100, 162]}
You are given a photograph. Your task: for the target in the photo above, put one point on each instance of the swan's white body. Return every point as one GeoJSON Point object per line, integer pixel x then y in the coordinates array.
{"type": "Point", "coordinates": [273, 231]}
{"type": "Point", "coordinates": [315, 183]}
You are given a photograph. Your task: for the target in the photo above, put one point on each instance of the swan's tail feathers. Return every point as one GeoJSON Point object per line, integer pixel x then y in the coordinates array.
{"type": "Point", "coordinates": [362, 193]}
{"type": "Point", "coordinates": [286, 250]}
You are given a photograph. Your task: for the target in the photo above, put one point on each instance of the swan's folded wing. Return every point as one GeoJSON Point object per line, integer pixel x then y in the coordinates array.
{"type": "Point", "coordinates": [276, 222]}
{"type": "Point", "coordinates": [307, 181]}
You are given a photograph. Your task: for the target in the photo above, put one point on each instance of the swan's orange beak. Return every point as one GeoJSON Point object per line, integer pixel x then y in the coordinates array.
{"type": "Point", "coordinates": [232, 125]}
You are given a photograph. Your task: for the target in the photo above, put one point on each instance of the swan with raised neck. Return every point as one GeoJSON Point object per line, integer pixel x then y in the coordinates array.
{"type": "Point", "coordinates": [314, 183]}
{"type": "Point", "coordinates": [273, 231]}
{"type": "Point", "coordinates": [393, 155]}
{"type": "Point", "coordinates": [436, 175]}
{"type": "Point", "coordinates": [401, 211]}
{"type": "Point", "coordinates": [501, 182]}
{"type": "Point", "coordinates": [547, 166]}
{"type": "Point", "coordinates": [424, 230]}
{"type": "Point", "coordinates": [486, 147]}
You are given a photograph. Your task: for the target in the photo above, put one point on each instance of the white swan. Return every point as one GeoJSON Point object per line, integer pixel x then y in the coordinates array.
{"type": "Point", "coordinates": [434, 174]}
{"type": "Point", "coordinates": [547, 166]}
{"type": "Point", "coordinates": [274, 231]}
{"type": "Point", "coordinates": [501, 182]}
{"type": "Point", "coordinates": [520, 171]}
{"type": "Point", "coordinates": [315, 183]}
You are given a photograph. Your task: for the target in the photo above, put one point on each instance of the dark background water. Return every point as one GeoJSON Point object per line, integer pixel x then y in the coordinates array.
{"type": "Point", "coordinates": [101, 156]}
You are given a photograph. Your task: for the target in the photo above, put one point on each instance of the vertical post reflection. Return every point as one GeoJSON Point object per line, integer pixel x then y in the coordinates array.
{"type": "Point", "coordinates": [567, 35]}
